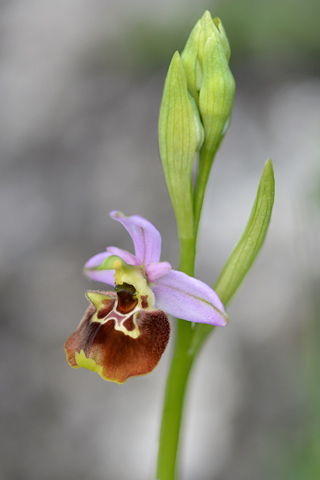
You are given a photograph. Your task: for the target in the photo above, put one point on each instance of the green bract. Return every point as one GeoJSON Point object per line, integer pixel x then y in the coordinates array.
{"type": "Point", "coordinates": [246, 250]}
{"type": "Point", "coordinates": [180, 136]}
{"type": "Point", "coordinates": [249, 245]}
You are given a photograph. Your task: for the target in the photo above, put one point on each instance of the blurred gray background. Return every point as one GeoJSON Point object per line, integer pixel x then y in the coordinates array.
{"type": "Point", "coordinates": [80, 88]}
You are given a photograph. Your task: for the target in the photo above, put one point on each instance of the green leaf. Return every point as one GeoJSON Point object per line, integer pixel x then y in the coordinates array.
{"type": "Point", "coordinates": [249, 245]}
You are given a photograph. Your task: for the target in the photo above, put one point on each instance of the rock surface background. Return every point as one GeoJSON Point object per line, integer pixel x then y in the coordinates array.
{"type": "Point", "coordinates": [78, 127]}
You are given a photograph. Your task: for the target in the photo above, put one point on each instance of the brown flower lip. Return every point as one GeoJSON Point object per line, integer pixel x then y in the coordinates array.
{"type": "Point", "coordinates": [118, 339]}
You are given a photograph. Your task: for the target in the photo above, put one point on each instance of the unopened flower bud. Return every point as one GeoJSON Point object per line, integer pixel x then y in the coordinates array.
{"type": "Point", "coordinates": [210, 81]}
{"type": "Point", "coordinates": [191, 62]}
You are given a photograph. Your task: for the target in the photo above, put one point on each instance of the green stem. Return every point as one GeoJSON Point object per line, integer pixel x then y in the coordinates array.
{"type": "Point", "coordinates": [185, 349]}
{"type": "Point", "coordinates": [187, 255]}
{"type": "Point", "coordinates": [177, 381]}
{"type": "Point", "coordinates": [173, 404]}
{"type": "Point", "coordinates": [204, 167]}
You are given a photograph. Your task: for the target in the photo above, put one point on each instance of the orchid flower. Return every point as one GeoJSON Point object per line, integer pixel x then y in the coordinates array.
{"type": "Point", "coordinates": [124, 333]}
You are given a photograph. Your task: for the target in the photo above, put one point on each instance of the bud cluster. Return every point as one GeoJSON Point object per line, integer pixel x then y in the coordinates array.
{"type": "Point", "coordinates": [195, 112]}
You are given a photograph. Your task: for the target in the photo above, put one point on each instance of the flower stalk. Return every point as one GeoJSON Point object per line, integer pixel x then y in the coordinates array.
{"type": "Point", "coordinates": [177, 381]}
{"type": "Point", "coordinates": [211, 85]}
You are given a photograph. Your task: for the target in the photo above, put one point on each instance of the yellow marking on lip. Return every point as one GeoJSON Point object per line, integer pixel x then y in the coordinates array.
{"type": "Point", "coordinates": [131, 333]}
{"type": "Point", "coordinates": [88, 363]}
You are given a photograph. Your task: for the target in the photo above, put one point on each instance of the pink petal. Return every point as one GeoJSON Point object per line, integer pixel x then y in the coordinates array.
{"type": "Point", "coordinates": [96, 260]}
{"type": "Point", "coordinates": [157, 270]}
{"type": "Point", "coordinates": [188, 298]}
{"type": "Point", "coordinates": [104, 276]}
{"type": "Point", "coordinates": [146, 238]}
